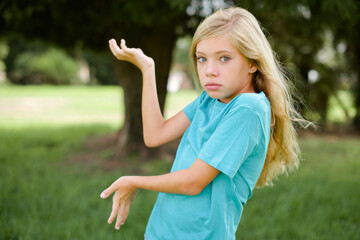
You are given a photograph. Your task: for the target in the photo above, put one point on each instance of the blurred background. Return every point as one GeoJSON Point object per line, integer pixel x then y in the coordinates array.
{"type": "Point", "coordinates": [70, 119]}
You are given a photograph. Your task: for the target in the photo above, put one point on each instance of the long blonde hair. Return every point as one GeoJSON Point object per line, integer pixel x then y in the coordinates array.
{"type": "Point", "coordinates": [246, 34]}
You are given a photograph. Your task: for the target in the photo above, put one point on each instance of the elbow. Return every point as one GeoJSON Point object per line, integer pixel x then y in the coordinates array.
{"type": "Point", "coordinates": [192, 188]}
{"type": "Point", "coordinates": [193, 191]}
{"type": "Point", "coordinates": [151, 143]}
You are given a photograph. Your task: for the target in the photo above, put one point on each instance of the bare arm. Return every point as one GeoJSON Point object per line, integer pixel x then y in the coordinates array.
{"type": "Point", "coordinates": [157, 131]}
{"type": "Point", "coordinates": [190, 181]}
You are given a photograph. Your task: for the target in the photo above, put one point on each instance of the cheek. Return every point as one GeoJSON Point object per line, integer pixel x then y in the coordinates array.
{"type": "Point", "coordinates": [200, 70]}
{"type": "Point", "coordinates": [240, 70]}
{"type": "Point", "coordinates": [201, 80]}
{"type": "Point", "coordinates": [200, 73]}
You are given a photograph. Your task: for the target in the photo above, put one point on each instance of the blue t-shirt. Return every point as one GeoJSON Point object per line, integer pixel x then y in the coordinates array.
{"type": "Point", "coordinates": [231, 137]}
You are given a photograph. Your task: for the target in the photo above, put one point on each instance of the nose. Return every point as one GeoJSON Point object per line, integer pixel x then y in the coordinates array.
{"type": "Point", "coordinates": [210, 70]}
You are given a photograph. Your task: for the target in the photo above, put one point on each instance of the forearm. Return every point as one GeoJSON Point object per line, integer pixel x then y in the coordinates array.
{"type": "Point", "coordinates": [156, 130]}
{"type": "Point", "coordinates": [179, 182]}
{"type": "Point", "coordinates": [190, 181]}
{"type": "Point", "coordinates": [152, 117]}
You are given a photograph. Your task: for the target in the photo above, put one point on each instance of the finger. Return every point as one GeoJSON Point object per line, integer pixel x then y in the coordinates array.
{"type": "Point", "coordinates": [114, 210]}
{"type": "Point", "coordinates": [115, 49]}
{"type": "Point", "coordinates": [123, 212]}
{"type": "Point", "coordinates": [123, 44]}
{"type": "Point", "coordinates": [112, 42]}
{"type": "Point", "coordinates": [107, 192]}
{"type": "Point", "coordinates": [126, 213]}
{"type": "Point", "coordinates": [125, 49]}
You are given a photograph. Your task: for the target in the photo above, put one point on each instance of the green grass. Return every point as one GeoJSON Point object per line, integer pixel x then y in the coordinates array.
{"type": "Point", "coordinates": [318, 201]}
{"type": "Point", "coordinates": [67, 105]}
{"type": "Point", "coordinates": [60, 105]}
{"type": "Point", "coordinates": [45, 195]}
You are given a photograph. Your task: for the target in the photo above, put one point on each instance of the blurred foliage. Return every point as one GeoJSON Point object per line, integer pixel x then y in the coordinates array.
{"type": "Point", "coordinates": [310, 37]}
{"type": "Point", "coordinates": [4, 50]}
{"type": "Point", "coordinates": [152, 25]}
{"type": "Point", "coordinates": [52, 66]}
{"type": "Point", "coordinates": [38, 62]}
{"type": "Point", "coordinates": [181, 60]}
{"type": "Point", "coordinates": [101, 67]}
{"type": "Point", "coordinates": [318, 37]}
{"type": "Point", "coordinates": [30, 61]}
{"type": "Point", "coordinates": [91, 22]}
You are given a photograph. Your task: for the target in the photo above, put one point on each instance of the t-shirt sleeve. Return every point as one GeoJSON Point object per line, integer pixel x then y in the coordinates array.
{"type": "Point", "coordinates": [233, 141]}
{"type": "Point", "coordinates": [191, 109]}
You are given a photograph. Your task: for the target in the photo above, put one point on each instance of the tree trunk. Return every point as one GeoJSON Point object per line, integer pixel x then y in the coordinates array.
{"type": "Point", "coordinates": [159, 46]}
{"type": "Point", "coordinates": [357, 104]}
{"type": "Point", "coordinates": [321, 106]}
{"type": "Point", "coordinates": [357, 86]}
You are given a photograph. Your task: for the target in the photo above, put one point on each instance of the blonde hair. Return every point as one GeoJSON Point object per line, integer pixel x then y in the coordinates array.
{"type": "Point", "coordinates": [246, 34]}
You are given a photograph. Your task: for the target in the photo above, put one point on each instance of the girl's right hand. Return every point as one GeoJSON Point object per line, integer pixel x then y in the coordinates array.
{"type": "Point", "coordinates": [132, 55]}
{"type": "Point", "coordinates": [122, 200]}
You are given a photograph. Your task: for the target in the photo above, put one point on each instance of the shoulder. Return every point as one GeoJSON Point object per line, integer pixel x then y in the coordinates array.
{"type": "Point", "coordinates": [256, 103]}
{"type": "Point", "coordinates": [204, 101]}
{"type": "Point", "coordinates": [203, 97]}
{"type": "Point", "coordinates": [191, 109]}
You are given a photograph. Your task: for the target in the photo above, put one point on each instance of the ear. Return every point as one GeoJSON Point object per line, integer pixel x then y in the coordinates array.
{"type": "Point", "coordinates": [252, 67]}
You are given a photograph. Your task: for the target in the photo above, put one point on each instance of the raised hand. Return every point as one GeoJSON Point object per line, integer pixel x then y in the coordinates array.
{"type": "Point", "coordinates": [132, 55]}
{"type": "Point", "coordinates": [122, 200]}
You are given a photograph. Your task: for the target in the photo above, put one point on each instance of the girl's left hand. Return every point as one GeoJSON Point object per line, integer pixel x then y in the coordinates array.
{"type": "Point", "coordinates": [122, 200]}
{"type": "Point", "coordinates": [132, 55]}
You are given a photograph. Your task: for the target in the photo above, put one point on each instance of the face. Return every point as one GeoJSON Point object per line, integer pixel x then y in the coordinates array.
{"type": "Point", "coordinates": [223, 71]}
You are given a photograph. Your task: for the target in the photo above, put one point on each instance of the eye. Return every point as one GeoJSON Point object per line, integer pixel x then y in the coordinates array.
{"type": "Point", "coordinates": [225, 59]}
{"type": "Point", "coordinates": [200, 59]}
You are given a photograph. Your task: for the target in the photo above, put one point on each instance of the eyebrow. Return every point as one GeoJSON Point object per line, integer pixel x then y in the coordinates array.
{"type": "Point", "coordinates": [218, 52]}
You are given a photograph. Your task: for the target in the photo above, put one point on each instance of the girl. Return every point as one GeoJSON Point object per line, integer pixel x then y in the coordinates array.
{"type": "Point", "coordinates": [237, 135]}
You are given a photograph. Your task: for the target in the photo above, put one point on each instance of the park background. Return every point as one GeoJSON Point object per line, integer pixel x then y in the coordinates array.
{"type": "Point", "coordinates": [70, 120]}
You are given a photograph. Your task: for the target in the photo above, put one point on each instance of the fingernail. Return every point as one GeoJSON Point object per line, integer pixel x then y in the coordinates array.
{"type": "Point", "coordinates": [102, 195]}
{"type": "Point", "coordinates": [117, 227]}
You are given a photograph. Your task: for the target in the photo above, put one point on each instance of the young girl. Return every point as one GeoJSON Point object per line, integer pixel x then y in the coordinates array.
{"type": "Point", "coordinates": [237, 135]}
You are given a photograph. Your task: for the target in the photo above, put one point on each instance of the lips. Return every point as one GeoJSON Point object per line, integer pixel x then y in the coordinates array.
{"type": "Point", "coordinates": [212, 86]}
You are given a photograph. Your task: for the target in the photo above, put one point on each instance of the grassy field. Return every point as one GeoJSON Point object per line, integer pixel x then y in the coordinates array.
{"type": "Point", "coordinates": [46, 195]}
{"type": "Point", "coordinates": [67, 105]}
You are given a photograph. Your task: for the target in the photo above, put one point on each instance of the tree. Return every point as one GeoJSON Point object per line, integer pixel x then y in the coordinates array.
{"type": "Point", "coordinates": [152, 25]}
{"type": "Point", "coordinates": [300, 30]}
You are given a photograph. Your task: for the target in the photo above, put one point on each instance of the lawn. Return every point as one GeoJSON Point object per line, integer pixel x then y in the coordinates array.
{"type": "Point", "coordinates": [44, 194]}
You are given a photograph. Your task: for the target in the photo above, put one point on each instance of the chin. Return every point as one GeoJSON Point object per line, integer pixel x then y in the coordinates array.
{"type": "Point", "coordinates": [214, 94]}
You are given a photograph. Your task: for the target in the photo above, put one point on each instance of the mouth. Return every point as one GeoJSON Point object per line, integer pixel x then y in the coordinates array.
{"type": "Point", "coordinates": [212, 86]}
